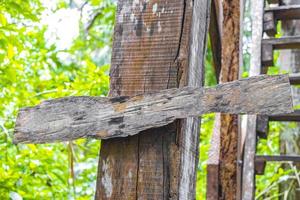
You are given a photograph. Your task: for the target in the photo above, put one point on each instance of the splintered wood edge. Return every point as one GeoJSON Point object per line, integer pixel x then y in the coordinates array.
{"type": "Point", "coordinates": [71, 118]}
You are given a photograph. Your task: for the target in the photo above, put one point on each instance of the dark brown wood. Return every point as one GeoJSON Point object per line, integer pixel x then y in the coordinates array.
{"type": "Point", "coordinates": [212, 182]}
{"type": "Point", "coordinates": [215, 37]}
{"type": "Point", "coordinates": [288, 42]}
{"type": "Point", "coordinates": [277, 158]}
{"type": "Point", "coordinates": [229, 123]}
{"type": "Point", "coordinates": [294, 79]}
{"type": "Point", "coordinates": [157, 45]}
{"type": "Point", "coordinates": [99, 117]}
{"type": "Point", "coordinates": [292, 117]}
{"type": "Point", "coordinates": [262, 126]}
{"type": "Point", "coordinates": [260, 167]}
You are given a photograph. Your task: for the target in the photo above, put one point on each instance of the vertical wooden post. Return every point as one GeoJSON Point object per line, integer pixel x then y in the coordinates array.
{"type": "Point", "coordinates": [158, 44]}
{"type": "Point", "coordinates": [227, 125]}
{"type": "Point", "coordinates": [248, 184]}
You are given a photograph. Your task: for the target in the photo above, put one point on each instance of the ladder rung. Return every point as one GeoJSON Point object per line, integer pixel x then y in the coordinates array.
{"type": "Point", "coordinates": [277, 158]}
{"type": "Point", "coordinates": [260, 161]}
{"type": "Point", "coordinates": [294, 79]}
{"type": "Point", "coordinates": [285, 12]}
{"type": "Point", "coordinates": [268, 45]}
{"type": "Point", "coordinates": [273, 1]}
{"type": "Point", "coordinates": [291, 117]}
{"type": "Point", "coordinates": [272, 15]}
{"type": "Point", "coordinates": [291, 42]}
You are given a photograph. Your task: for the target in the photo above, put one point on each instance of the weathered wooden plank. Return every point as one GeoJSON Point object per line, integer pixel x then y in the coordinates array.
{"type": "Point", "coordinates": [291, 117]}
{"type": "Point", "coordinates": [287, 12]}
{"type": "Point", "coordinates": [150, 53]}
{"type": "Point", "coordinates": [288, 42]}
{"type": "Point", "coordinates": [229, 123]}
{"type": "Point", "coordinates": [75, 117]}
{"type": "Point", "coordinates": [189, 131]}
{"type": "Point", "coordinates": [250, 127]}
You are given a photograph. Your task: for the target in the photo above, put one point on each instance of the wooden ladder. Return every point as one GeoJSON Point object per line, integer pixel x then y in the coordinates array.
{"type": "Point", "coordinates": [254, 164]}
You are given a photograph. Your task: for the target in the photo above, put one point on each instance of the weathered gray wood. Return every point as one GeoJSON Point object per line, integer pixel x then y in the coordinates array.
{"type": "Point", "coordinates": [75, 117]}
{"type": "Point", "coordinates": [288, 42]}
{"type": "Point", "coordinates": [271, 44]}
{"type": "Point", "coordinates": [189, 132]}
{"type": "Point", "coordinates": [285, 12]}
{"type": "Point", "coordinates": [248, 185]}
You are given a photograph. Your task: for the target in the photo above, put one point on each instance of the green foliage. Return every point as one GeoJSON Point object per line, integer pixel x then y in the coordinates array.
{"type": "Point", "coordinates": [32, 70]}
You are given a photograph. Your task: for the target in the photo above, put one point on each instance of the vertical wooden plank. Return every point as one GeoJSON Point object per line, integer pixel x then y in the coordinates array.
{"type": "Point", "coordinates": [153, 42]}
{"type": "Point", "coordinates": [229, 123]}
{"type": "Point", "coordinates": [248, 185]}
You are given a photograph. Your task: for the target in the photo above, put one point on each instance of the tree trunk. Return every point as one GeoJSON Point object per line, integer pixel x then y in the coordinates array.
{"type": "Point", "coordinates": [229, 123]}
{"type": "Point", "coordinates": [289, 60]}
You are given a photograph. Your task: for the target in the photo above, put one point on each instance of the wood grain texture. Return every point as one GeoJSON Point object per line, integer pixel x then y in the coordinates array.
{"type": "Point", "coordinates": [248, 182]}
{"type": "Point", "coordinates": [287, 42]}
{"type": "Point", "coordinates": [151, 51]}
{"type": "Point", "coordinates": [287, 12]}
{"type": "Point", "coordinates": [294, 78]}
{"type": "Point", "coordinates": [229, 123]}
{"type": "Point", "coordinates": [270, 24]}
{"type": "Point", "coordinates": [76, 117]}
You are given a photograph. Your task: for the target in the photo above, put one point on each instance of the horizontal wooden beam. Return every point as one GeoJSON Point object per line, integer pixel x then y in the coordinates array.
{"type": "Point", "coordinates": [285, 12]}
{"type": "Point", "coordinates": [277, 158]}
{"type": "Point", "coordinates": [290, 42]}
{"type": "Point", "coordinates": [271, 44]}
{"type": "Point", "coordinates": [294, 79]}
{"type": "Point", "coordinates": [291, 117]}
{"type": "Point", "coordinates": [100, 117]}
